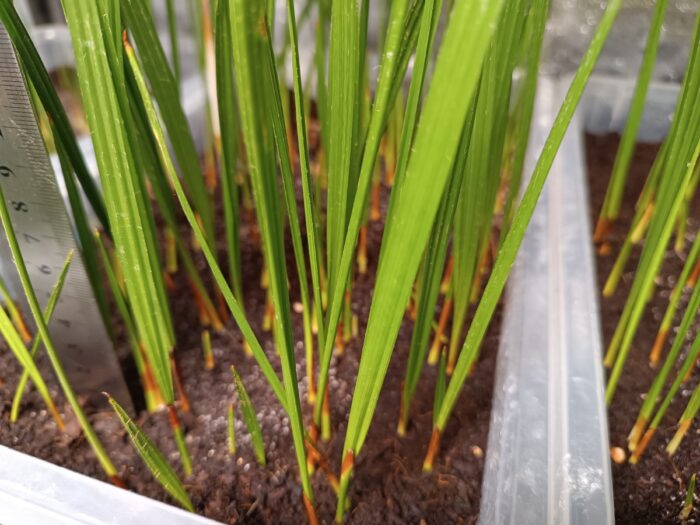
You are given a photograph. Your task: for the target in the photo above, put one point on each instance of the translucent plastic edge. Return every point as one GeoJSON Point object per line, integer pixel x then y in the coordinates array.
{"type": "Point", "coordinates": [34, 492]}
{"type": "Point", "coordinates": [548, 452]}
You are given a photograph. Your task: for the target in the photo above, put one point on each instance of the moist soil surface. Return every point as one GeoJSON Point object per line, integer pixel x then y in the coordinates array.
{"type": "Point", "coordinates": [653, 490]}
{"type": "Point", "coordinates": [388, 485]}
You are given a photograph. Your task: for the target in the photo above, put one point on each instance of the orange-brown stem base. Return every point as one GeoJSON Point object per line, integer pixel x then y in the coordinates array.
{"type": "Point", "coordinates": [433, 449]}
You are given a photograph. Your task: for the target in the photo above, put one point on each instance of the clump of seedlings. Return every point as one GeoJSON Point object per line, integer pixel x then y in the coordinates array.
{"type": "Point", "coordinates": [447, 143]}
{"type": "Point", "coordinates": [662, 212]}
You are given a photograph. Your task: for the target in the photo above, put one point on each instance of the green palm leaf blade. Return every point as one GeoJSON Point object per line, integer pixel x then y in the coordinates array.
{"type": "Point", "coordinates": [383, 103]}
{"type": "Point", "coordinates": [48, 312]}
{"type": "Point", "coordinates": [343, 97]}
{"type": "Point", "coordinates": [511, 244]}
{"type": "Point", "coordinates": [228, 121]}
{"type": "Point", "coordinates": [233, 304]}
{"type": "Point", "coordinates": [270, 85]}
{"type": "Point", "coordinates": [671, 192]}
{"type": "Point", "coordinates": [483, 168]}
{"type": "Point", "coordinates": [41, 323]}
{"type": "Point", "coordinates": [166, 90]}
{"type": "Point", "coordinates": [103, 90]}
{"type": "Point", "coordinates": [14, 342]}
{"type": "Point", "coordinates": [250, 418]}
{"type": "Point", "coordinates": [525, 105]}
{"type": "Point", "coordinates": [614, 193]}
{"type": "Point", "coordinates": [153, 458]}
{"type": "Point", "coordinates": [455, 79]}
{"type": "Point", "coordinates": [310, 215]}
{"type": "Point", "coordinates": [652, 396]}
{"type": "Point", "coordinates": [431, 277]}
{"type": "Point", "coordinates": [251, 52]}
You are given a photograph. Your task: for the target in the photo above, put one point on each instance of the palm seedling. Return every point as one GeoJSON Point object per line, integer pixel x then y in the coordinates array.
{"type": "Point", "coordinates": [662, 209]}
{"type": "Point", "coordinates": [613, 196]}
{"type": "Point", "coordinates": [452, 147]}
{"type": "Point", "coordinates": [26, 358]}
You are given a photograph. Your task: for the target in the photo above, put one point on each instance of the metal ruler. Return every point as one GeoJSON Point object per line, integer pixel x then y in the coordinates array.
{"type": "Point", "coordinates": [45, 236]}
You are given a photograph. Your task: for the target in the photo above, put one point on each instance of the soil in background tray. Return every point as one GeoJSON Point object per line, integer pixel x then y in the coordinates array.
{"type": "Point", "coordinates": [653, 491]}
{"type": "Point", "coordinates": [388, 486]}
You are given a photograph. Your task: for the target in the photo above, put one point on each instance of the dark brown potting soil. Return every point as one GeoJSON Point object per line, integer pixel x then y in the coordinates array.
{"type": "Point", "coordinates": [653, 491]}
{"type": "Point", "coordinates": [388, 486]}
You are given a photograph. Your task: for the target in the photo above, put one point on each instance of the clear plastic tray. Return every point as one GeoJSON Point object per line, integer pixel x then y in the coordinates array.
{"type": "Point", "coordinates": [547, 458]}
{"type": "Point", "coordinates": [34, 492]}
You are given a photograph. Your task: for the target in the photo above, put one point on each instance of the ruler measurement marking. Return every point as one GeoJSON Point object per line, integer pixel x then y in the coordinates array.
{"type": "Point", "coordinates": [45, 235]}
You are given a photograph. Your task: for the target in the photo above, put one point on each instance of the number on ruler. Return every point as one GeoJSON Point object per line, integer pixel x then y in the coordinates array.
{"type": "Point", "coordinates": [20, 206]}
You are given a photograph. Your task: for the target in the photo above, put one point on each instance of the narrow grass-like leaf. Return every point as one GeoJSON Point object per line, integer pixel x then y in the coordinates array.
{"type": "Point", "coordinates": [231, 429]}
{"type": "Point", "coordinates": [409, 39]}
{"type": "Point", "coordinates": [15, 313]}
{"type": "Point", "coordinates": [343, 96]}
{"type": "Point", "coordinates": [153, 458]}
{"type": "Point", "coordinates": [310, 209]}
{"type": "Point", "coordinates": [149, 162]}
{"type": "Point", "coordinates": [101, 72]}
{"type": "Point", "coordinates": [511, 244]}
{"type": "Point", "coordinates": [636, 444]}
{"type": "Point", "coordinates": [104, 98]}
{"type": "Point", "coordinates": [250, 418]}
{"type": "Point", "coordinates": [251, 49]}
{"type": "Point", "coordinates": [429, 21]}
{"type": "Point", "coordinates": [207, 66]}
{"type": "Point", "coordinates": [537, 20]}
{"type": "Point", "coordinates": [42, 328]}
{"type": "Point", "coordinates": [639, 431]}
{"type": "Point", "coordinates": [436, 251]}
{"type": "Point", "coordinates": [685, 421]}
{"type": "Point", "coordinates": [431, 277]}
{"type": "Point", "coordinates": [674, 300]}
{"type": "Point", "coordinates": [48, 312]}
{"type": "Point", "coordinates": [440, 386]}
{"type": "Point", "coordinates": [228, 121]}
{"type": "Point", "coordinates": [174, 40]}
{"type": "Point", "coordinates": [640, 223]}
{"type": "Point", "coordinates": [165, 90]}
{"type": "Point", "coordinates": [150, 387]}
{"type": "Point", "coordinates": [678, 173]}
{"type": "Point", "coordinates": [25, 358]}
{"type": "Point", "coordinates": [454, 81]}
{"type": "Point", "coordinates": [321, 84]}
{"type": "Point", "coordinates": [483, 168]}
{"type": "Point", "coordinates": [85, 238]}
{"type": "Point", "coordinates": [206, 350]}
{"type": "Point", "coordinates": [270, 86]}
{"type": "Point", "coordinates": [200, 24]}
{"type": "Point", "coordinates": [232, 303]}
{"type": "Point", "coordinates": [614, 193]}
{"type": "Point", "coordinates": [380, 111]}
{"type": "Point", "coordinates": [689, 500]}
